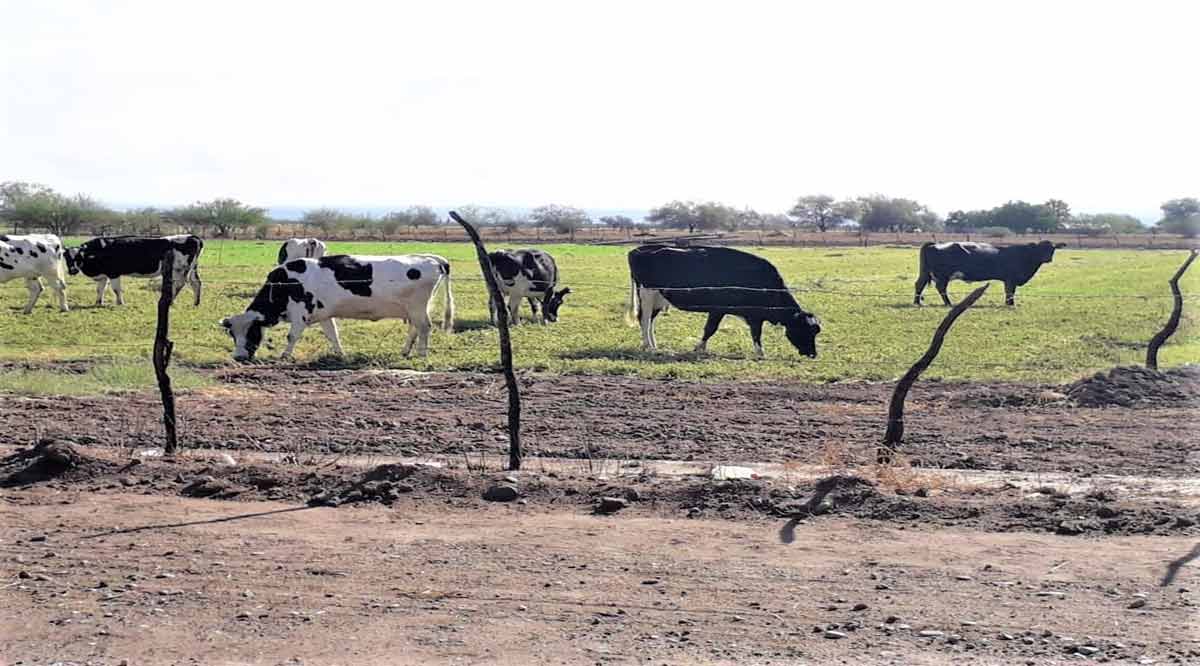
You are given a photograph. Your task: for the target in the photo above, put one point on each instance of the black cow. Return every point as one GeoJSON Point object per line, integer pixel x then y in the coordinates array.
{"type": "Point", "coordinates": [107, 260]}
{"type": "Point", "coordinates": [978, 262]}
{"type": "Point", "coordinates": [719, 281]}
{"type": "Point", "coordinates": [525, 274]}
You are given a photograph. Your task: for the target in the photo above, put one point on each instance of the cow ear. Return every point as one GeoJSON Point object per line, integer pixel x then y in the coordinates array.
{"type": "Point", "coordinates": [226, 323]}
{"type": "Point", "coordinates": [563, 292]}
{"type": "Point", "coordinates": [1059, 246]}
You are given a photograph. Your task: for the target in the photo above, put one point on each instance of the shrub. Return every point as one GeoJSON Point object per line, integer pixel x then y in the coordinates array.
{"type": "Point", "coordinates": [996, 232]}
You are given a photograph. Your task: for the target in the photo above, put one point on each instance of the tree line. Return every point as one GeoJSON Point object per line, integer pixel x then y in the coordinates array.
{"type": "Point", "coordinates": [35, 206]}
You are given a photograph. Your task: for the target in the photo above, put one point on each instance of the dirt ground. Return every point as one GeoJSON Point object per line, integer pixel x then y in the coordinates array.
{"type": "Point", "coordinates": [948, 425]}
{"type": "Point", "coordinates": [113, 554]}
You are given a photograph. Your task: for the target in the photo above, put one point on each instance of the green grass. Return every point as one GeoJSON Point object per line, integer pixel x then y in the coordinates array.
{"type": "Point", "coordinates": [874, 335]}
{"type": "Point", "coordinates": [118, 376]}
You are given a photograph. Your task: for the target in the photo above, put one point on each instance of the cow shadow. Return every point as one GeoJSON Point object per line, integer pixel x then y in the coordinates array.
{"type": "Point", "coordinates": [465, 325]}
{"type": "Point", "coordinates": [635, 354]}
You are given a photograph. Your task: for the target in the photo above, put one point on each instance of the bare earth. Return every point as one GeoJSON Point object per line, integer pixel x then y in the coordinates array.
{"type": "Point", "coordinates": [108, 556]}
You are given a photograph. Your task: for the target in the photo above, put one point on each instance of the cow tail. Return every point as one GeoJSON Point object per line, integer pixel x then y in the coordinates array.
{"type": "Point", "coordinates": [923, 268]}
{"type": "Point", "coordinates": [448, 317]}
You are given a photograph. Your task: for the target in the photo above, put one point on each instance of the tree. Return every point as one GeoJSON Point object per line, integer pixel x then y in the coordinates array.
{"type": "Point", "coordinates": [1059, 211]}
{"type": "Point", "coordinates": [880, 213]}
{"type": "Point", "coordinates": [1021, 217]}
{"type": "Point", "coordinates": [562, 219]}
{"type": "Point", "coordinates": [708, 216]}
{"type": "Point", "coordinates": [1181, 216]}
{"type": "Point", "coordinates": [421, 216]}
{"type": "Point", "coordinates": [823, 212]}
{"type": "Point", "coordinates": [328, 220]}
{"type": "Point", "coordinates": [143, 220]}
{"type": "Point", "coordinates": [389, 224]}
{"type": "Point", "coordinates": [674, 215]}
{"type": "Point", "coordinates": [617, 222]}
{"type": "Point", "coordinates": [958, 221]}
{"type": "Point", "coordinates": [1115, 223]}
{"type": "Point", "coordinates": [226, 216]}
{"type": "Point", "coordinates": [59, 214]}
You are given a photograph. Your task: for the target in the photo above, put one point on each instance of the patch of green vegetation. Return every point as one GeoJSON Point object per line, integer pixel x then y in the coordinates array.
{"type": "Point", "coordinates": [1083, 312]}
{"type": "Point", "coordinates": [120, 376]}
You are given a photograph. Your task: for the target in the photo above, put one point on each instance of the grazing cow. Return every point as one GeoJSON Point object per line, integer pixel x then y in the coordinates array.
{"type": "Point", "coordinates": [34, 257]}
{"type": "Point", "coordinates": [107, 260]}
{"type": "Point", "coordinates": [719, 281]}
{"type": "Point", "coordinates": [315, 291]}
{"type": "Point", "coordinates": [300, 248]}
{"type": "Point", "coordinates": [978, 262]}
{"type": "Point", "coordinates": [525, 274]}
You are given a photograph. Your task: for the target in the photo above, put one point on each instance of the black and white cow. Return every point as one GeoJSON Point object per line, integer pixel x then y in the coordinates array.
{"type": "Point", "coordinates": [107, 260]}
{"type": "Point", "coordinates": [527, 273]}
{"type": "Point", "coordinates": [719, 281]}
{"type": "Point", "coordinates": [300, 248]}
{"type": "Point", "coordinates": [31, 258]}
{"type": "Point", "coordinates": [315, 291]}
{"type": "Point", "coordinates": [978, 262]}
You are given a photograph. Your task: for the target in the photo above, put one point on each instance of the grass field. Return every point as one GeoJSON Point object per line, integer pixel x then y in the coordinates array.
{"type": "Point", "coordinates": [1080, 314]}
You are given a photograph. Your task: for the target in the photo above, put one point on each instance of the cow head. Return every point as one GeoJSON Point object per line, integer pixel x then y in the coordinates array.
{"type": "Point", "coordinates": [71, 256]}
{"type": "Point", "coordinates": [1045, 250]}
{"type": "Point", "coordinates": [552, 304]}
{"type": "Point", "coordinates": [802, 329]}
{"type": "Point", "coordinates": [246, 330]}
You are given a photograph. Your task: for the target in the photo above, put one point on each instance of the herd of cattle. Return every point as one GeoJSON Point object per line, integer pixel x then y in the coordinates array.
{"type": "Point", "coordinates": [307, 287]}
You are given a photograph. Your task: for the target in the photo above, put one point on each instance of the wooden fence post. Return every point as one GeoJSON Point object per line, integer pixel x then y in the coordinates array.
{"type": "Point", "coordinates": [510, 379]}
{"type": "Point", "coordinates": [1176, 312]}
{"type": "Point", "coordinates": [163, 348]}
{"type": "Point", "coordinates": [895, 425]}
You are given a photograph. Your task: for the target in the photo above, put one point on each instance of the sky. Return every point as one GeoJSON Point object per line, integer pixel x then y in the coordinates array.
{"type": "Point", "coordinates": [614, 105]}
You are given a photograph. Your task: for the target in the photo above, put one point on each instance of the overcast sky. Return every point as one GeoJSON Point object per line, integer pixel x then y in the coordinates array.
{"type": "Point", "coordinates": [604, 104]}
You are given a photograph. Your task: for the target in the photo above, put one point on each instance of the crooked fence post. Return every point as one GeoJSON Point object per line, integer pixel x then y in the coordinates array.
{"type": "Point", "coordinates": [510, 379]}
{"type": "Point", "coordinates": [163, 348]}
{"type": "Point", "coordinates": [1176, 312]}
{"type": "Point", "coordinates": [895, 425]}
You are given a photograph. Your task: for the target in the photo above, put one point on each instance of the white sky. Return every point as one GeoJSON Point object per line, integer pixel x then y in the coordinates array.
{"type": "Point", "coordinates": [603, 104]}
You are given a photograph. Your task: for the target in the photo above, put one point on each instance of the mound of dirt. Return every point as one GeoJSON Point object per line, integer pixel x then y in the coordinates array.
{"type": "Point", "coordinates": [1131, 386]}
{"type": "Point", "coordinates": [50, 459]}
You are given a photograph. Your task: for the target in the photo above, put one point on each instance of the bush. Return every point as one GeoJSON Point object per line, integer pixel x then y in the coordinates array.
{"type": "Point", "coordinates": [996, 232]}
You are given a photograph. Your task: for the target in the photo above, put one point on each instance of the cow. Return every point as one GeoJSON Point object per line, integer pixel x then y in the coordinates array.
{"type": "Point", "coordinates": [34, 257]}
{"type": "Point", "coordinates": [719, 281]}
{"type": "Point", "coordinates": [107, 260]}
{"type": "Point", "coordinates": [978, 262]}
{"type": "Point", "coordinates": [300, 248]}
{"type": "Point", "coordinates": [527, 273]}
{"type": "Point", "coordinates": [315, 291]}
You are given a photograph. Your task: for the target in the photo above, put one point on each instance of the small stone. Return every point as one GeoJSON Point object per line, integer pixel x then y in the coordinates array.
{"type": "Point", "coordinates": [510, 479]}
{"type": "Point", "coordinates": [1087, 649]}
{"type": "Point", "coordinates": [1007, 637]}
{"type": "Point", "coordinates": [930, 633]}
{"type": "Point", "coordinates": [834, 634]}
{"type": "Point", "coordinates": [500, 493]}
{"type": "Point", "coordinates": [1137, 603]}
{"type": "Point", "coordinates": [243, 615]}
{"type": "Point", "coordinates": [892, 619]}
{"type": "Point", "coordinates": [963, 578]}
{"type": "Point", "coordinates": [859, 607]}
{"type": "Point", "coordinates": [651, 581]}
{"type": "Point", "coordinates": [39, 537]}
{"type": "Point", "coordinates": [1051, 593]}
{"type": "Point", "coordinates": [609, 505]}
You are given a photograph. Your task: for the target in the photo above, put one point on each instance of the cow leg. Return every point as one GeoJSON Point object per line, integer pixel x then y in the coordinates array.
{"type": "Point", "coordinates": [941, 288]}
{"type": "Point", "coordinates": [34, 285]}
{"type": "Point", "coordinates": [329, 327]}
{"type": "Point", "coordinates": [756, 336]}
{"type": "Point", "coordinates": [922, 282]}
{"type": "Point", "coordinates": [646, 316]}
{"type": "Point", "coordinates": [491, 311]}
{"type": "Point", "coordinates": [60, 288]}
{"type": "Point", "coordinates": [514, 310]}
{"type": "Point", "coordinates": [1010, 293]}
{"type": "Point", "coordinates": [710, 328]}
{"type": "Point", "coordinates": [423, 326]}
{"type": "Point", "coordinates": [101, 286]}
{"type": "Point", "coordinates": [533, 306]}
{"type": "Point", "coordinates": [118, 289]}
{"type": "Point", "coordinates": [294, 334]}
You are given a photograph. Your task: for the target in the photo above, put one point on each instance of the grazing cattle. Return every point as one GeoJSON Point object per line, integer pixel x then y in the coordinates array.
{"type": "Point", "coordinates": [107, 260]}
{"type": "Point", "coordinates": [977, 262]}
{"type": "Point", "coordinates": [719, 281]}
{"type": "Point", "coordinates": [34, 257]}
{"type": "Point", "coordinates": [300, 248]}
{"type": "Point", "coordinates": [525, 274]}
{"type": "Point", "coordinates": [315, 291]}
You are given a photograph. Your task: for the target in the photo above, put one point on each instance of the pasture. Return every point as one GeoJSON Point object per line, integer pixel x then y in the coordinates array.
{"type": "Point", "coordinates": [1088, 310]}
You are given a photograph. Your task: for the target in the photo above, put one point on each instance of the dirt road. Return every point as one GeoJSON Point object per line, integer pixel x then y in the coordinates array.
{"type": "Point", "coordinates": [105, 577]}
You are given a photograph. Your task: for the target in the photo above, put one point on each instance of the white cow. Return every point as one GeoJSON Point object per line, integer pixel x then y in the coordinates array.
{"type": "Point", "coordinates": [34, 257]}
{"type": "Point", "coordinates": [301, 248]}
{"type": "Point", "coordinates": [315, 291]}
